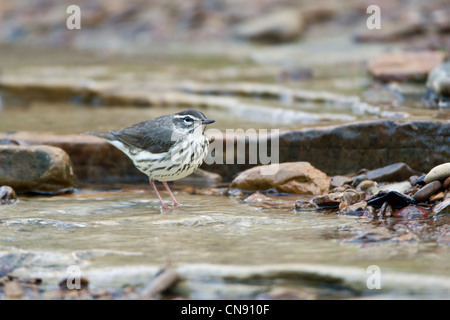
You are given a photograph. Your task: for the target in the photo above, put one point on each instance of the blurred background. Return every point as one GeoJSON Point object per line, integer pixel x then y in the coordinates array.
{"type": "Point", "coordinates": [255, 63]}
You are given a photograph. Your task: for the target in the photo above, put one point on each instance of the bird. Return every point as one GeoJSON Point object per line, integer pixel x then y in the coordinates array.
{"type": "Point", "coordinates": [165, 148]}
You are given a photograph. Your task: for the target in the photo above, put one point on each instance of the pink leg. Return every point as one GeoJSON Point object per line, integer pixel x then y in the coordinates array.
{"type": "Point", "coordinates": [175, 202]}
{"type": "Point", "coordinates": [163, 205]}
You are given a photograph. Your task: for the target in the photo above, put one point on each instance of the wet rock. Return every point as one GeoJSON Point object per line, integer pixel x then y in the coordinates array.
{"type": "Point", "coordinates": [439, 80]}
{"type": "Point", "coordinates": [385, 210]}
{"type": "Point", "coordinates": [7, 195]}
{"type": "Point", "coordinates": [280, 26]}
{"type": "Point", "coordinates": [439, 172]}
{"type": "Point", "coordinates": [446, 183]}
{"type": "Point", "coordinates": [427, 191]}
{"type": "Point", "coordinates": [400, 187]}
{"type": "Point", "coordinates": [393, 198]}
{"type": "Point", "coordinates": [339, 181]}
{"type": "Point", "coordinates": [437, 197]}
{"type": "Point", "coordinates": [330, 200]}
{"type": "Point", "coordinates": [351, 196]}
{"type": "Point", "coordinates": [411, 212]}
{"type": "Point", "coordinates": [35, 168]}
{"type": "Point", "coordinates": [305, 205]}
{"type": "Point", "coordinates": [372, 235]}
{"type": "Point", "coordinates": [442, 207]}
{"type": "Point", "coordinates": [162, 282]}
{"type": "Point", "coordinates": [391, 173]}
{"type": "Point", "coordinates": [290, 177]}
{"type": "Point", "coordinates": [368, 186]}
{"type": "Point", "coordinates": [358, 179]}
{"type": "Point", "coordinates": [261, 200]}
{"type": "Point", "coordinates": [404, 66]}
{"type": "Point", "coordinates": [357, 207]}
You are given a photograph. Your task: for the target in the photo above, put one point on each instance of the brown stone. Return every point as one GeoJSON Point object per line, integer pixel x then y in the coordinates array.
{"type": "Point", "coordinates": [404, 66]}
{"type": "Point", "coordinates": [427, 191]}
{"type": "Point", "coordinates": [35, 168]}
{"type": "Point", "coordinates": [7, 195]}
{"type": "Point", "coordinates": [446, 183]}
{"type": "Point", "coordinates": [291, 177]}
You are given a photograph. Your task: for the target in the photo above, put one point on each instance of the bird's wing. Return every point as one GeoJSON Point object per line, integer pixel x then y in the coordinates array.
{"type": "Point", "coordinates": [155, 139]}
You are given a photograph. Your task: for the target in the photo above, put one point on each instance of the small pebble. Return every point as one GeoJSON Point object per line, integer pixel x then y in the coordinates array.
{"type": "Point", "coordinates": [446, 183]}
{"type": "Point", "coordinates": [437, 197]}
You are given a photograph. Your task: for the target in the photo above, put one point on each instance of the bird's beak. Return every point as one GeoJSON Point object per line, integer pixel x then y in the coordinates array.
{"type": "Point", "coordinates": [208, 121]}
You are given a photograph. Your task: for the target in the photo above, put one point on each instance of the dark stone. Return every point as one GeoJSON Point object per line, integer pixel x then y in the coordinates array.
{"type": "Point", "coordinates": [393, 198]}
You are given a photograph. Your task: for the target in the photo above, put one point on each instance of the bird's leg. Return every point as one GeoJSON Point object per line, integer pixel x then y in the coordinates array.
{"type": "Point", "coordinates": [175, 202]}
{"type": "Point", "coordinates": [163, 205]}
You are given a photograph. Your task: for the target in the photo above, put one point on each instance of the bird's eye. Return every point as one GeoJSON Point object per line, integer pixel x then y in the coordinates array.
{"type": "Point", "coordinates": [188, 119]}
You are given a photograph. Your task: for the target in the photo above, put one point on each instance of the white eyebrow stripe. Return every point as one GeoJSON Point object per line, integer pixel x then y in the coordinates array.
{"type": "Point", "coordinates": [181, 116]}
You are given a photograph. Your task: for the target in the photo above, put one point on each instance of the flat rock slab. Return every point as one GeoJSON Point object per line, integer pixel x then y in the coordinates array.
{"type": "Point", "coordinates": [335, 150]}
{"type": "Point", "coordinates": [36, 168]}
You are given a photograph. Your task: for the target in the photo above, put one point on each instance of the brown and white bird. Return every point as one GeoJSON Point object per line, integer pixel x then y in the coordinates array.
{"type": "Point", "coordinates": [166, 148]}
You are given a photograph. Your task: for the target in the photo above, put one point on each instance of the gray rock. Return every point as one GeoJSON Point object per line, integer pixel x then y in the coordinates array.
{"type": "Point", "coordinates": [339, 181]}
{"type": "Point", "coordinates": [439, 80]}
{"type": "Point", "coordinates": [35, 168]}
{"type": "Point", "coordinates": [392, 173]}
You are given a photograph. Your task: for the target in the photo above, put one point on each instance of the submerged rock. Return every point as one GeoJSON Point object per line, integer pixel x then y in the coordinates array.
{"type": "Point", "coordinates": [35, 168]}
{"type": "Point", "coordinates": [442, 207]}
{"type": "Point", "coordinates": [290, 177]}
{"type": "Point", "coordinates": [412, 212]}
{"type": "Point", "coordinates": [263, 201]}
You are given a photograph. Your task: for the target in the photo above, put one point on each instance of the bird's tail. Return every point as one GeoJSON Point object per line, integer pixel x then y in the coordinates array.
{"type": "Point", "coordinates": [104, 135]}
